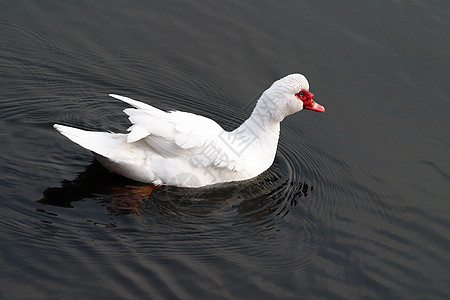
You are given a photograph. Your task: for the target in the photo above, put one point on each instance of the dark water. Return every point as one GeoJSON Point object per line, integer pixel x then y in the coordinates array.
{"type": "Point", "coordinates": [356, 204]}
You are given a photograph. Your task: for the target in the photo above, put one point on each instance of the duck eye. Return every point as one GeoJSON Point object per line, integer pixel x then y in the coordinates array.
{"type": "Point", "coordinates": [301, 94]}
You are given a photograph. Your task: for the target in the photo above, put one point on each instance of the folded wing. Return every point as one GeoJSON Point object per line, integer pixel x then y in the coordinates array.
{"type": "Point", "coordinates": [173, 134]}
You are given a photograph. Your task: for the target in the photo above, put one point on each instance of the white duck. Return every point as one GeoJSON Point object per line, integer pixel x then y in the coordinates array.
{"type": "Point", "coordinates": [183, 149]}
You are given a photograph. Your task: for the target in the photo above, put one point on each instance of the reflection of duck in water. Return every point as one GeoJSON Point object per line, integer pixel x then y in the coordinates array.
{"type": "Point", "coordinates": [273, 192]}
{"type": "Point", "coordinates": [182, 149]}
{"type": "Point", "coordinates": [125, 195]}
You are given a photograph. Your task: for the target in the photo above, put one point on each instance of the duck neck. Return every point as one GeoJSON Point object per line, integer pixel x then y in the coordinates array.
{"type": "Point", "coordinates": [262, 125]}
{"type": "Point", "coordinates": [266, 114]}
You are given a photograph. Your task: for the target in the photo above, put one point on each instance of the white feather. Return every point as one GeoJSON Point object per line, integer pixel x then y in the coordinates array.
{"type": "Point", "coordinates": [137, 133]}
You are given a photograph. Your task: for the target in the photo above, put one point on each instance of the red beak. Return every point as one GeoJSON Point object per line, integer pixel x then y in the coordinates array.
{"type": "Point", "coordinates": [315, 107]}
{"type": "Point", "coordinates": [308, 102]}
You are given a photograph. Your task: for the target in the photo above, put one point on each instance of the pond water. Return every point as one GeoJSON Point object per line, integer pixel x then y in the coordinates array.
{"type": "Point", "coordinates": [356, 204]}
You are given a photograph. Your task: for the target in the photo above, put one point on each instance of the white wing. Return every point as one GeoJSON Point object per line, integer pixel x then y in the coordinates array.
{"type": "Point", "coordinates": [179, 134]}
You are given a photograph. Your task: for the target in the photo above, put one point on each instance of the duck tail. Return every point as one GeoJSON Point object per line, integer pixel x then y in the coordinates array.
{"type": "Point", "coordinates": [98, 142]}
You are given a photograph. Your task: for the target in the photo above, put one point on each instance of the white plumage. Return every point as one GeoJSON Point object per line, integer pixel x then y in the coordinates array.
{"type": "Point", "coordinates": [183, 149]}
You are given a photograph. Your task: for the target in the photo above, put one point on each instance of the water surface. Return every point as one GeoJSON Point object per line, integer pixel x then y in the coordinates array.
{"type": "Point", "coordinates": [355, 205]}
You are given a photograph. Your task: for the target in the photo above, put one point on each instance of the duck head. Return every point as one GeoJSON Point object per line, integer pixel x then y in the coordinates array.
{"type": "Point", "coordinates": [286, 96]}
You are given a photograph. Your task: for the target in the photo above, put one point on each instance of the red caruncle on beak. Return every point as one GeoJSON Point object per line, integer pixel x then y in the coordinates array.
{"type": "Point", "coordinates": [308, 102]}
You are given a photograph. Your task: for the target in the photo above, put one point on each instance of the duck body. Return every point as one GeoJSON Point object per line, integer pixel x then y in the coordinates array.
{"type": "Point", "coordinates": [187, 150]}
